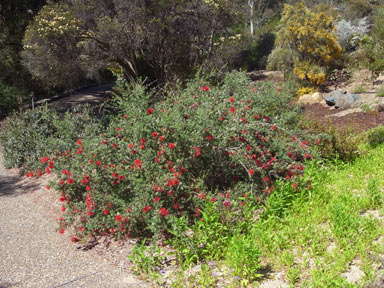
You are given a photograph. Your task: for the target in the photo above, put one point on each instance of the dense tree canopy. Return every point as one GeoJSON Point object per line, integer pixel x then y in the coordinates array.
{"type": "Point", "coordinates": [160, 39]}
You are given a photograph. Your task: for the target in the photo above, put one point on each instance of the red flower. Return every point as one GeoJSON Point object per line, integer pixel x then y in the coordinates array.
{"type": "Point", "coordinates": [231, 99]}
{"type": "Point", "coordinates": [157, 188]}
{"type": "Point", "coordinates": [70, 181]}
{"type": "Point", "coordinates": [204, 88]}
{"type": "Point", "coordinates": [226, 203]}
{"type": "Point", "coordinates": [118, 218]}
{"type": "Point", "coordinates": [75, 239]}
{"type": "Point", "coordinates": [138, 163]}
{"type": "Point", "coordinates": [233, 110]}
{"type": "Point", "coordinates": [63, 208]}
{"type": "Point", "coordinates": [90, 213]}
{"type": "Point", "coordinates": [106, 211]}
{"type": "Point", "coordinates": [255, 116]}
{"type": "Point", "coordinates": [171, 145]}
{"type": "Point", "coordinates": [88, 188]}
{"type": "Point", "coordinates": [221, 118]}
{"type": "Point", "coordinates": [161, 138]}
{"type": "Point", "coordinates": [155, 134]}
{"type": "Point", "coordinates": [175, 206]}
{"type": "Point", "coordinates": [79, 141]}
{"type": "Point", "coordinates": [150, 111]}
{"type": "Point", "coordinates": [146, 208]}
{"type": "Point", "coordinates": [251, 171]}
{"type": "Point", "coordinates": [61, 231]}
{"type": "Point", "coordinates": [163, 212]}
{"type": "Point", "coordinates": [61, 181]}
{"type": "Point", "coordinates": [156, 199]}
{"type": "Point", "coordinates": [44, 160]}
{"type": "Point", "coordinates": [47, 187]}
{"type": "Point", "coordinates": [125, 116]}
{"type": "Point", "coordinates": [98, 162]}
{"type": "Point", "coordinates": [213, 199]}
{"type": "Point", "coordinates": [209, 137]}
{"type": "Point", "coordinates": [273, 127]}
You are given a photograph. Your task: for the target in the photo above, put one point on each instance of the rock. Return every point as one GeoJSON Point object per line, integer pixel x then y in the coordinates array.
{"type": "Point", "coordinates": [338, 99]}
{"type": "Point", "coordinates": [354, 273]}
{"type": "Point", "coordinates": [346, 112]}
{"type": "Point", "coordinates": [380, 107]}
{"type": "Point", "coordinates": [331, 97]}
{"type": "Point", "coordinates": [274, 284]}
{"type": "Point", "coordinates": [310, 98]}
{"type": "Point", "coordinates": [366, 99]}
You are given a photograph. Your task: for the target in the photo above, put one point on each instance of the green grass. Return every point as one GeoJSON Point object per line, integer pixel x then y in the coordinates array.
{"type": "Point", "coordinates": [359, 89]}
{"type": "Point", "coordinates": [331, 215]}
{"type": "Point", "coordinates": [380, 91]}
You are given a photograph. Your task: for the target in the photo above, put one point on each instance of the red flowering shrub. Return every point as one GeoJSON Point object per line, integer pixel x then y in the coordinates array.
{"type": "Point", "coordinates": [154, 164]}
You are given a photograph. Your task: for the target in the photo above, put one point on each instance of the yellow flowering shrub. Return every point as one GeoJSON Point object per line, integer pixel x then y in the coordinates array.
{"type": "Point", "coordinates": [305, 90]}
{"type": "Point", "coordinates": [309, 34]}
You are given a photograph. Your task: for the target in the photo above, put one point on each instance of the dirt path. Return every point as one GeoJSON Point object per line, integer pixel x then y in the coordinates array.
{"type": "Point", "coordinates": [33, 254]}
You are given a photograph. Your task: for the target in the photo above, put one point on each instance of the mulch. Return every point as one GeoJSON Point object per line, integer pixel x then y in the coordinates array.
{"type": "Point", "coordinates": [356, 122]}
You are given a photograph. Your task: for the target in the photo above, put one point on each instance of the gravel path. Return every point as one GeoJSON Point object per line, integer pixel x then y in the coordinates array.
{"type": "Point", "coordinates": [33, 254]}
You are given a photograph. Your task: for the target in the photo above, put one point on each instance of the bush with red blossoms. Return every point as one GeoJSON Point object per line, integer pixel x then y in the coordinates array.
{"type": "Point", "coordinates": [159, 161]}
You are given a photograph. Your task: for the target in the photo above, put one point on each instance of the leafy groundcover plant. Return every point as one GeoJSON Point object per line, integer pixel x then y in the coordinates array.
{"type": "Point", "coordinates": [155, 163]}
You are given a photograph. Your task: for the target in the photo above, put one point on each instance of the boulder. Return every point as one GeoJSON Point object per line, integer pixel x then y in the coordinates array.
{"type": "Point", "coordinates": [340, 100]}
{"type": "Point", "coordinates": [310, 98]}
{"type": "Point", "coordinates": [379, 107]}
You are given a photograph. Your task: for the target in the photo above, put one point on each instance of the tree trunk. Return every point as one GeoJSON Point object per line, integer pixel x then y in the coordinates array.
{"type": "Point", "coordinates": [251, 5]}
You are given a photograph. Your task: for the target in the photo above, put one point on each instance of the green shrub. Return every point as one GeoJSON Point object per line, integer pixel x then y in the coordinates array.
{"type": "Point", "coordinates": [11, 98]}
{"type": "Point", "coordinates": [359, 89]}
{"type": "Point", "coordinates": [376, 136]}
{"type": "Point", "coordinates": [380, 91]}
{"type": "Point", "coordinates": [333, 142]}
{"type": "Point", "coordinates": [155, 163]}
{"type": "Point", "coordinates": [29, 135]}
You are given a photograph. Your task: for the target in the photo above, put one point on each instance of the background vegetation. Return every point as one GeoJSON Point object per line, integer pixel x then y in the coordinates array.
{"type": "Point", "coordinates": [191, 154]}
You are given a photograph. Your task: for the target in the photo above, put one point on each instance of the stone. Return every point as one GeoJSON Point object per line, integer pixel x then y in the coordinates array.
{"type": "Point", "coordinates": [310, 98]}
{"type": "Point", "coordinates": [331, 97]}
{"type": "Point", "coordinates": [340, 100]}
{"type": "Point", "coordinates": [346, 112]}
{"type": "Point", "coordinates": [379, 108]}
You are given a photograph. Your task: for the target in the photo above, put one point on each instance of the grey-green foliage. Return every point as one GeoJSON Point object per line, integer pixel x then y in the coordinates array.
{"type": "Point", "coordinates": [281, 59]}
{"type": "Point", "coordinates": [33, 134]}
{"type": "Point", "coordinates": [349, 35]}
